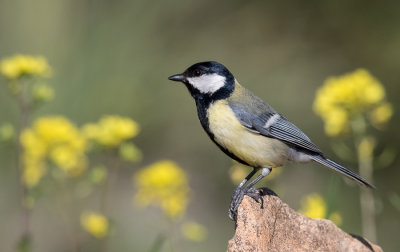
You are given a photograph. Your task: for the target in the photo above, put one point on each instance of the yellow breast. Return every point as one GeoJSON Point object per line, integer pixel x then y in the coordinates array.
{"type": "Point", "coordinates": [253, 148]}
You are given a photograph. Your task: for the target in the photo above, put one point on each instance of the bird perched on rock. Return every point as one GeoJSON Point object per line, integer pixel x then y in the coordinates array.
{"type": "Point", "coordinates": [247, 129]}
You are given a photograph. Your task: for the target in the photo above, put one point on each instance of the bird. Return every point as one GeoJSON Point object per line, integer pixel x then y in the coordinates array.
{"type": "Point", "coordinates": [249, 130]}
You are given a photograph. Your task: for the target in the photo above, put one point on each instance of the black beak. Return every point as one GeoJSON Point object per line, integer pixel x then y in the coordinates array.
{"type": "Point", "coordinates": [177, 77]}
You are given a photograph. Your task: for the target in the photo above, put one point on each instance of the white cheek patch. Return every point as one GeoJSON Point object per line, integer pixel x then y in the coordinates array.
{"type": "Point", "coordinates": [208, 83]}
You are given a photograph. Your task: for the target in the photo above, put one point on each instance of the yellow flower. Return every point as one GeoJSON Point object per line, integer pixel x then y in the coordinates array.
{"type": "Point", "coordinates": [163, 184]}
{"type": "Point", "coordinates": [32, 173]}
{"type": "Point", "coordinates": [94, 223]}
{"type": "Point", "coordinates": [20, 65]}
{"type": "Point", "coordinates": [32, 158]}
{"type": "Point", "coordinates": [366, 147]}
{"type": "Point", "coordinates": [111, 131]}
{"type": "Point", "coordinates": [68, 159]}
{"type": "Point", "coordinates": [55, 130]}
{"type": "Point", "coordinates": [337, 122]}
{"type": "Point", "coordinates": [193, 231]}
{"type": "Point", "coordinates": [54, 138]}
{"type": "Point", "coordinates": [381, 114]}
{"type": "Point", "coordinates": [336, 218]}
{"type": "Point", "coordinates": [314, 206]}
{"type": "Point", "coordinates": [343, 98]}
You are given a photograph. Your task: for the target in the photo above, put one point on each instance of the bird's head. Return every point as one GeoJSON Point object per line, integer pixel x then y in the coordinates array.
{"type": "Point", "coordinates": [210, 79]}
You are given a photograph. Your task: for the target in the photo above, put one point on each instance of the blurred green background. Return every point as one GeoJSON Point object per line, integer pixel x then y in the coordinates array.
{"type": "Point", "coordinates": [114, 57]}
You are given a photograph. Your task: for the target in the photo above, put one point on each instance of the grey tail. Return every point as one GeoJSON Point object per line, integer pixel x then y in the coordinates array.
{"type": "Point", "coordinates": [342, 170]}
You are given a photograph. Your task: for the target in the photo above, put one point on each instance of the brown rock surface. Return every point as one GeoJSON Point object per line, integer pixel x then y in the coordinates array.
{"type": "Point", "coordinates": [277, 227]}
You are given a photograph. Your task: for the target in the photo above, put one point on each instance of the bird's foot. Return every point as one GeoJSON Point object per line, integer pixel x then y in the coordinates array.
{"type": "Point", "coordinates": [237, 198]}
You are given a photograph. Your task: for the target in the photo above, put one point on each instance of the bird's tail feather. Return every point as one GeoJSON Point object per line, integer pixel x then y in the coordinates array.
{"type": "Point", "coordinates": [343, 170]}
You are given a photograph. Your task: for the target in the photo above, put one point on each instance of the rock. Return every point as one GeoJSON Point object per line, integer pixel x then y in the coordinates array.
{"type": "Point", "coordinates": [277, 227]}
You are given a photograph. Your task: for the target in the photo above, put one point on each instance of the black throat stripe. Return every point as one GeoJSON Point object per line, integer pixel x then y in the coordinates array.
{"type": "Point", "coordinates": [202, 104]}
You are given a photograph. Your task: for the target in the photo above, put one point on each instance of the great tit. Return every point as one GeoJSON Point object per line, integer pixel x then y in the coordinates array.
{"type": "Point", "coordinates": [247, 129]}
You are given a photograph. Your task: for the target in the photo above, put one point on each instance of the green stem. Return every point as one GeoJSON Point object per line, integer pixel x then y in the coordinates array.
{"type": "Point", "coordinates": [171, 235]}
{"type": "Point", "coordinates": [64, 204]}
{"type": "Point", "coordinates": [365, 167]}
{"type": "Point", "coordinates": [112, 175]}
{"type": "Point", "coordinates": [103, 210]}
{"type": "Point", "coordinates": [367, 200]}
{"type": "Point", "coordinates": [334, 188]}
{"type": "Point", "coordinates": [157, 245]}
{"type": "Point", "coordinates": [24, 108]}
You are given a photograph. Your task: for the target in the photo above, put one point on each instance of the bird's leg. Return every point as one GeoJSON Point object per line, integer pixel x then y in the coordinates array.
{"type": "Point", "coordinates": [238, 194]}
{"type": "Point", "coordinates": [248, 177]}
{"type": "Point", "coordinates": [264, 172]}
{"type": "Point", "coordinates": [249, 190]}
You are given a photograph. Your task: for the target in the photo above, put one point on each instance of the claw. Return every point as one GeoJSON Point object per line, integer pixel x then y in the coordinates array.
{"type": "Point", "coordinates": [237, 198]}
{"type": "Point", "coordinates": [249, 190]}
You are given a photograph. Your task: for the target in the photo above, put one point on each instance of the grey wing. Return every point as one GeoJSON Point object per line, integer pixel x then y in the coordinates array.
{"type": "Point", "coordinates": [284, 130]}
{"type": "Point", "coordinates": [272, 124]}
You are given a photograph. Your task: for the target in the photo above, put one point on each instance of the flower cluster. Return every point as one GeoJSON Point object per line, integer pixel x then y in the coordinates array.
{"type": "Point", "coordinates": [55, 144]}
{"type": "Point", "coordinates": [95, 224]}
{"type": "Point", "coordinates": [343, 98]}
{"type": "Point", "coordinates": [22, 65]}
{"type": "Point", "coordinates": [314, 206]}
{"type": "Point", "coordinates": [163, 184]}
{"type": "Point", "coordinates": [111, 131]}
{"type": "Point", "coordinates": [54, 138]}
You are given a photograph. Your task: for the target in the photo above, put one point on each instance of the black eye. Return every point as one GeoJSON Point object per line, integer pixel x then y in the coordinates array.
{"type": "Point", "coordinates": [197, 73]}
